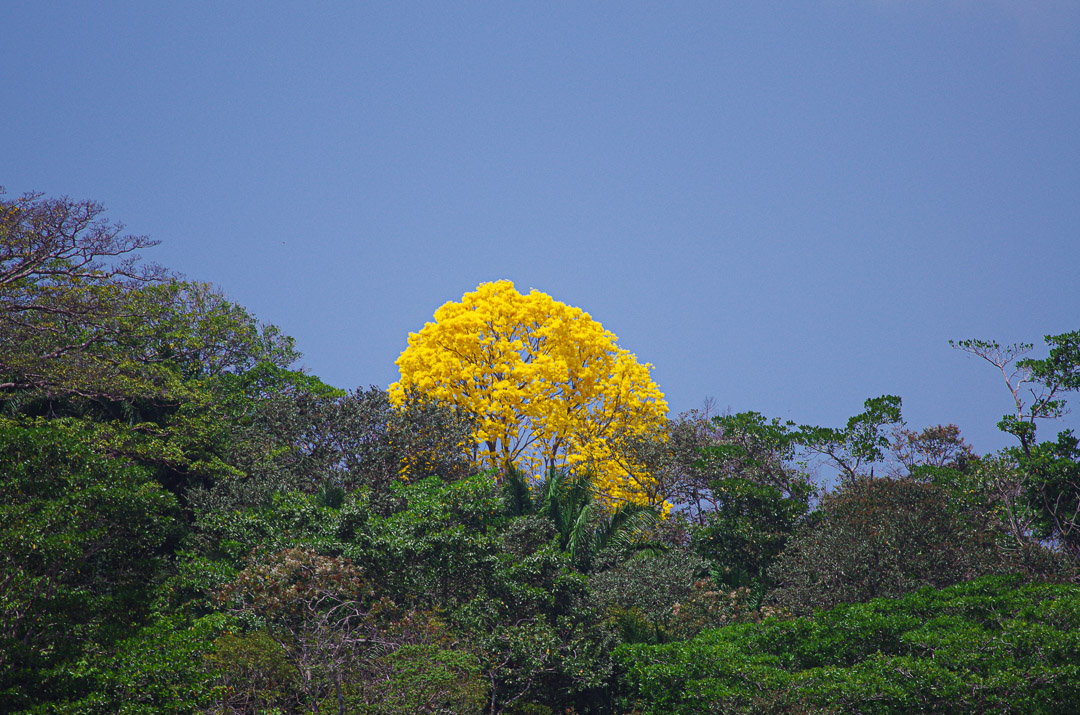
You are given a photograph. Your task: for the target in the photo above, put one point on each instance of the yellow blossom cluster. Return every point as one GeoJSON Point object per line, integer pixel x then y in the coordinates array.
{"type": "Point", "coordinates": [548, 386]}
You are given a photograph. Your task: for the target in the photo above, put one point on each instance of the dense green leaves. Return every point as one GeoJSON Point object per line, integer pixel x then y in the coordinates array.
{"type": "Point", "coordinates": [647, 591]}
{"type": "Point", "coordinates": [79, 542]}
{"type": "Point", "coordinates": [189, 525]}
{"type": "Point", "coordinates": [748, 530]}
{"type": "Point", "coordinates": [161, 668]}
{"type": "Point", "coordinates": [880, 537]}
{"type": "Point", "coordinates": [1053, 470]}
{"type": "Point", "coordinates": [992, 645]}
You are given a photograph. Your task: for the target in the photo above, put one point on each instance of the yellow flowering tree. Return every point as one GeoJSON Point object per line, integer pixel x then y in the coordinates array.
{"type": "Point", "coordinates": [547, 385]}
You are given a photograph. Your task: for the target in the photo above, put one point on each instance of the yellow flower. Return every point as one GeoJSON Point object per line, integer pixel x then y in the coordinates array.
{"type": "Point", "coordinates": [547, 384]}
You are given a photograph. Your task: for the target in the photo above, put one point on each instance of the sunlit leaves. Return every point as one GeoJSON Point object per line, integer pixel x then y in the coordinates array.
{"type": "Point", "coordinates": [78, 540]}
{"type": "Point", "coordinates": [991, 645]}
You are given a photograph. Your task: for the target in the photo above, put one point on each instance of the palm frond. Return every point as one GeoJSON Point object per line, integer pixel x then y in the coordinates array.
{"type": "Point", "coordinates": [568, 498]}
{"type": "Point", "coordinates": [579, 545]}
{"type": "Point", "coordinates": [625, 528]}
{"type": "Point", "coordinates": [552, 503]}
{"type": "Point", "coordinates": [582, 487]}
{"type": "Point", "coordinates": [516, 495]}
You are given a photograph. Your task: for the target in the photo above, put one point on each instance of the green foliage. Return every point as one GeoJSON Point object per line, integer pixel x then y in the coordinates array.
{"type": "Point", "coordinates": [444, 546]}
{"type": "Point", "coordinates": [138, 363]}
{"type": "Point", "coordinates": [437, 549]}
{"type": "Point", "coordinates": [695, 456]}
{"type": "Point", "coordinates": [583, 526]}
{"type": "Point", "coordinates": [64, 325]}
{"type": "Point", "coordinates": [880, 537]}
{"type": "Point", "coordinates": [1047, 379]}
{"type": "Point", "coordinates": [1051, 469]}
{"type": "Point", "coordinates": [860, 442]}
{"type": "Point", "coordinates": [163, 668]}
{"type": "Point", "coordinates": [756, 495]}
{"type": "Point", "coordinates": [125, 348]}
{"type": "Point", "coordinates": [79, 539]}
{"type": "Point", "coordinates": [646, 591]}
{"type": "Point", "coordinates": [253, 673]}
{"type": "Point", "coordinates": [1060, 370]}
{"type": "Point", "coordinates": [188, 421]}
{"type": "Point", "coordinates": [516, 492]}
{"type": "Point", "coordinates": [307, 437]}
{"type": "Point", "coordinates": [990, 645]}
{"type": "Point", "coordinates": [423, 679]}
{"type": "Point", "coordinates": [753, 446]}
{"type": "Point", "coordinates": [749, 529]}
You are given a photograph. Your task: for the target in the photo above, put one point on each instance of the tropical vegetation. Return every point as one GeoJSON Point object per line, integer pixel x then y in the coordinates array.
{"type": "Point", "coordinates": [191, 524]}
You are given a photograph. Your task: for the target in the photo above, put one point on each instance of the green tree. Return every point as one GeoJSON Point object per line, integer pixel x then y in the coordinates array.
{"type": "Point", "coordinates": [759, 494]}
{"type": "Point", "coordinates": [1052, 469]}
{"type": "Point", "coordinates": [62, 268]}
{"type": "Point", "coordinates": [506, 590]}
{"type": "Point", "coordinates": [162, 667]}
{"type": "Point", "coordinates": [82, 318]}
{"type": "Point", "coordinates": [80, 540]}
{"type": "Point", "coordinates": [424, 678]}
{"type": "Point", "coordinates": [859, 443]}
{"type": "Point", "coordinates": [307, 437]}
{"type": "Point", "coordinates": [1054, 489]}
{"type": "Point", "coordinates": [584, 527]}
{"type": "Point", "coordinates": [1047, 379]}
{"type": "Point", "coordinates": [876, 537]}
{"type": "Point", "coordinates": [643, 594]}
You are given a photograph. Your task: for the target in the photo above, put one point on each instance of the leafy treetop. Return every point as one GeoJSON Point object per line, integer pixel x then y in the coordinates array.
{"type": "Point", "coordinates": [549, 387]}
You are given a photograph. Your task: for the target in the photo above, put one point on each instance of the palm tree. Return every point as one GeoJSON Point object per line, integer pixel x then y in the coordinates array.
{"type": "Point", "coordinates": [568, 499]}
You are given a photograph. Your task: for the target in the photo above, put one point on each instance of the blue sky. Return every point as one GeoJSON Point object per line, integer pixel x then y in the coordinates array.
{"type": "Point", "coordinates": [787, 207]}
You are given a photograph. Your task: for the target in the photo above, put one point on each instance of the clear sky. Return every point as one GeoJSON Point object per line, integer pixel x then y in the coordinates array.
{"type": "Point", "coordinates": [786, 206]}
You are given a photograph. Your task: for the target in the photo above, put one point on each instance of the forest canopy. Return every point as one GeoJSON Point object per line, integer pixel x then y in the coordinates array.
{"type": "Point", "coordinates": [547, 386]}
{"type": "Point", "coordinates": [191, 524]}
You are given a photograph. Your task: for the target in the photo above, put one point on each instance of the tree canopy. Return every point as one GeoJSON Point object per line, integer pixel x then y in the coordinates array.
{"type": "Point", "coordinates": [190, 525]}
{"type": "Point", "coordinates": [548, 386]}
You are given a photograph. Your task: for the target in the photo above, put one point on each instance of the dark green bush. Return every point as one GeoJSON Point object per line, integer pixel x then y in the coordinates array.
{"type": "Point", "coordinates": [881, 538]}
